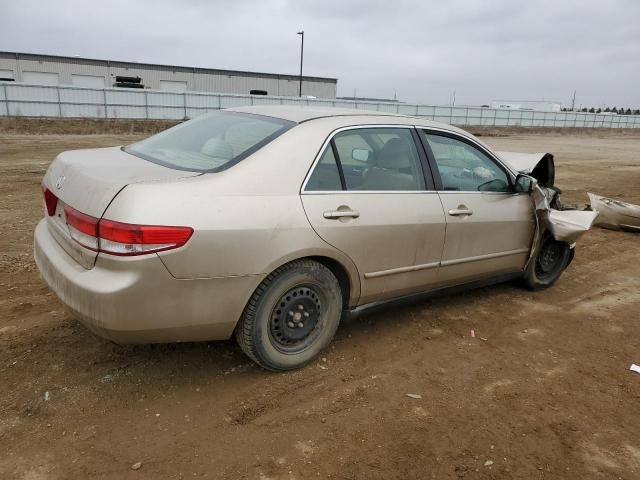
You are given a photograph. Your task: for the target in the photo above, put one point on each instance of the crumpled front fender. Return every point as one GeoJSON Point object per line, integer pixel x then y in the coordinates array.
{"type": "Point", "coordinates": [565, 225]}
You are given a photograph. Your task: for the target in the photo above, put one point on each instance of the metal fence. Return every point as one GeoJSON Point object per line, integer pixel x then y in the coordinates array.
{"type": "Point", "coordinates": [22, 100]}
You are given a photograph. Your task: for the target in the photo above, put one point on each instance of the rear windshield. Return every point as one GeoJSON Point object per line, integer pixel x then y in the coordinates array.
{"type": "Point", "coordinates": [210, 143]}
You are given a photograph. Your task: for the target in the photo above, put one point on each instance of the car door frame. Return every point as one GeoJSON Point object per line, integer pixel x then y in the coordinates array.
{"type": "Point", "coordinates": [429, 188]}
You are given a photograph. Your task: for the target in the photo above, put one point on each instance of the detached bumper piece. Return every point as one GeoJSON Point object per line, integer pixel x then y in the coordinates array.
{"type": "Point", "coordinates": [615, 214]}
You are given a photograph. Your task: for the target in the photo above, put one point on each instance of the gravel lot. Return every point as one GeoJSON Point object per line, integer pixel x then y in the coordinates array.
{"type": "Point", "coordinates": [547, 395]}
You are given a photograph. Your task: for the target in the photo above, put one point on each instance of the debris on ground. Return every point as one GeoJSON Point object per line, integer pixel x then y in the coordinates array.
{"type": "Point", "coordinates": [136, 466]}
{"type": "Point", "coordinates": [615, 214]}
{"type": "Point", "coordinates": [473, 335]}
{"type": "Point", "coordinates": [415, 396]}
{"type": "Point", "coordinates": [635, 368]}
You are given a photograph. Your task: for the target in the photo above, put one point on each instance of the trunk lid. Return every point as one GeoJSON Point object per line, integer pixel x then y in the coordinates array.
{"type": "Point", "coordinates": [88, 180]}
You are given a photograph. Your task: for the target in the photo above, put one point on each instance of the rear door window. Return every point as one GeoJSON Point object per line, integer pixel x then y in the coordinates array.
{"type": "Point", "coordinates": [326, 176]}
{"type": "Point", "coordinates": [372, 159]}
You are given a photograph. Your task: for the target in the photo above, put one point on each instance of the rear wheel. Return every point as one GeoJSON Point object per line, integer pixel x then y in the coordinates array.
{"type": "Point", "coordinates": [293, 315]}
{"type": "Point", "coordinates": [548, 263]}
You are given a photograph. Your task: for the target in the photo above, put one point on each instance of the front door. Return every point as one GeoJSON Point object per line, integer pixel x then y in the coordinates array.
{"type": "Point", "coordinates": [489, 228]}
{"type": "Point", "coordinates": [368, 197]}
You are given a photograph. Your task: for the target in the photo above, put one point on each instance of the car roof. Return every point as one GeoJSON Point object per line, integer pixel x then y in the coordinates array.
{"type": "Point", "coordinates": [300, 114]}
{"type": "Point", "coordinates": [346, 117]}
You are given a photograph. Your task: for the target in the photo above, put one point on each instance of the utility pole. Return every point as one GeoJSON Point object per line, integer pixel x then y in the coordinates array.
{"type": "Point", "coordinates": [301, 33]}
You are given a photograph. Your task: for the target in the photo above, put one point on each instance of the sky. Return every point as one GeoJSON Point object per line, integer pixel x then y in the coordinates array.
{"type": "Point", "coordinates": [420, 50]}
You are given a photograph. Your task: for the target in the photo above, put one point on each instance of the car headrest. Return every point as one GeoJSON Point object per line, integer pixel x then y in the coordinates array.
{"type": "Point", "coordinates": [395, 154]}
{"type": "Point", "coordinates": [216, 147]}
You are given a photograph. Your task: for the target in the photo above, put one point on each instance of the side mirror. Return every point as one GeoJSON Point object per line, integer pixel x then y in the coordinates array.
{"type": "Point", "coordinates": [360, 154]}
{"type": "Point", "coordinates": [524, 184]}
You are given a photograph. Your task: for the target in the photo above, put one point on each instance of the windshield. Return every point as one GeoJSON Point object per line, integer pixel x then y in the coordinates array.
{"type": "Point", "coordinates": [210, 143]}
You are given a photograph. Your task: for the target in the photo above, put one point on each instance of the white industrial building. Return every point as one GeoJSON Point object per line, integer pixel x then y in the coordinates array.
{"type": "Point", "coordinates": [92, 73]}
{"type": "Point", "coordinates": [535, 105]}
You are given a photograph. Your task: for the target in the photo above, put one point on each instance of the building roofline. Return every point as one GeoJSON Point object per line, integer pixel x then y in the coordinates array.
{"type": "Point", "coordinates": [528, 101]}
{"type": "Point", "coordinates": [181, 67]}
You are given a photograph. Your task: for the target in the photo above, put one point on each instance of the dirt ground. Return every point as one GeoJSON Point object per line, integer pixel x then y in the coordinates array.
{"type": "Point", "coordinates": [546, 393]}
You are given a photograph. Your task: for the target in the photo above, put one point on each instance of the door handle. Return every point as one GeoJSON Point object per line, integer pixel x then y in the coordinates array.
{"type": "Point", "coordinates": [337, 214]}
{"type": "Point", "coordinates": [461, 210]}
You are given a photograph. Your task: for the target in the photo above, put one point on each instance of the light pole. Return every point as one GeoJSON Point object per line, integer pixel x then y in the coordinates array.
{"type": "Point", "coordinates": [301, 33]}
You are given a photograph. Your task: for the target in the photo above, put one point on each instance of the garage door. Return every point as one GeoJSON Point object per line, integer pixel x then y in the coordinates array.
{"type": "Point", "coordinates": [40, 78]}
{"type": "Point", "coordinates": [87, 81]}
{"type": "Point", "coordinates": [173, 86]}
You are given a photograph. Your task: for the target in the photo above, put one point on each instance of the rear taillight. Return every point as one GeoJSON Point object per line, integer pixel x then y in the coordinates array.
{"type": "Point", "coordinates": [125, 239]}
{"type": "Point", "coordinates": [83, 228]}
{"type": "Point", "coordinates": [50, 201]}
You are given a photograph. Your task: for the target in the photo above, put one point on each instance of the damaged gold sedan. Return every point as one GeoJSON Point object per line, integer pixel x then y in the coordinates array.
{"type": "Point", "coordinates": [273, 223]}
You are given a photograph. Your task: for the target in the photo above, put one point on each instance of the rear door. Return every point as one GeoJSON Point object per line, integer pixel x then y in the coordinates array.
{"type": "Point", "coordinates": [367, 195]}
{"type": "Point", "coordinates": [489, 228]}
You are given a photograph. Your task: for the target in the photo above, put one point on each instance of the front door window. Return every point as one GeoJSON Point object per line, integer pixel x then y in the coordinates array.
{"type": "Point", "coordinates": [465, 168]}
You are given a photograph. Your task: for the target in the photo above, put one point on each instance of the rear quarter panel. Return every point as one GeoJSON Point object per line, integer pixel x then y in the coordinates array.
{"type": "Point", "coordinates": [247, 220]}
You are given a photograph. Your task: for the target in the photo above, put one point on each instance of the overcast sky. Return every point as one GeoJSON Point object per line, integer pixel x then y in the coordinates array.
{"type": "Point", "coordinates": [424, 50]}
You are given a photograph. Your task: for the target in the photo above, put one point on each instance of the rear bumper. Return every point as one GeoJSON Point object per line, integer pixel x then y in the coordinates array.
{"type": "Point", "coordinates": [136, 300]}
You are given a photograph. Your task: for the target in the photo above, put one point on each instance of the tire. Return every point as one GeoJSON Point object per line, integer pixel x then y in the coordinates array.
{"type": "Point", "coordinates": [547, 264]}
{"type": "Point", "coordinates": [303, 293]}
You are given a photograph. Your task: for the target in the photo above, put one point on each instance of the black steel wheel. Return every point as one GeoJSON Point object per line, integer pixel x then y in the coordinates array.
{"type": "Point", "coordinates": [292, 316]}
{"type": "Point", "coordinates": [548, 263]}
{"type": "Point", "coordinates": [295, 318]}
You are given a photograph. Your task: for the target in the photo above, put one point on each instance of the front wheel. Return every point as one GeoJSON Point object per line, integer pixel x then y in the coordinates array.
{"type": "Point", "coordinates": [548, 263]}
{"type": "Point", "coordinates": [291, 317]}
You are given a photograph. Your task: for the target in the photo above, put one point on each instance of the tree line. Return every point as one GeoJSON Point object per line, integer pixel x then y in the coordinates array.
{"type": "Point", "coordinates": [616, 110]}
